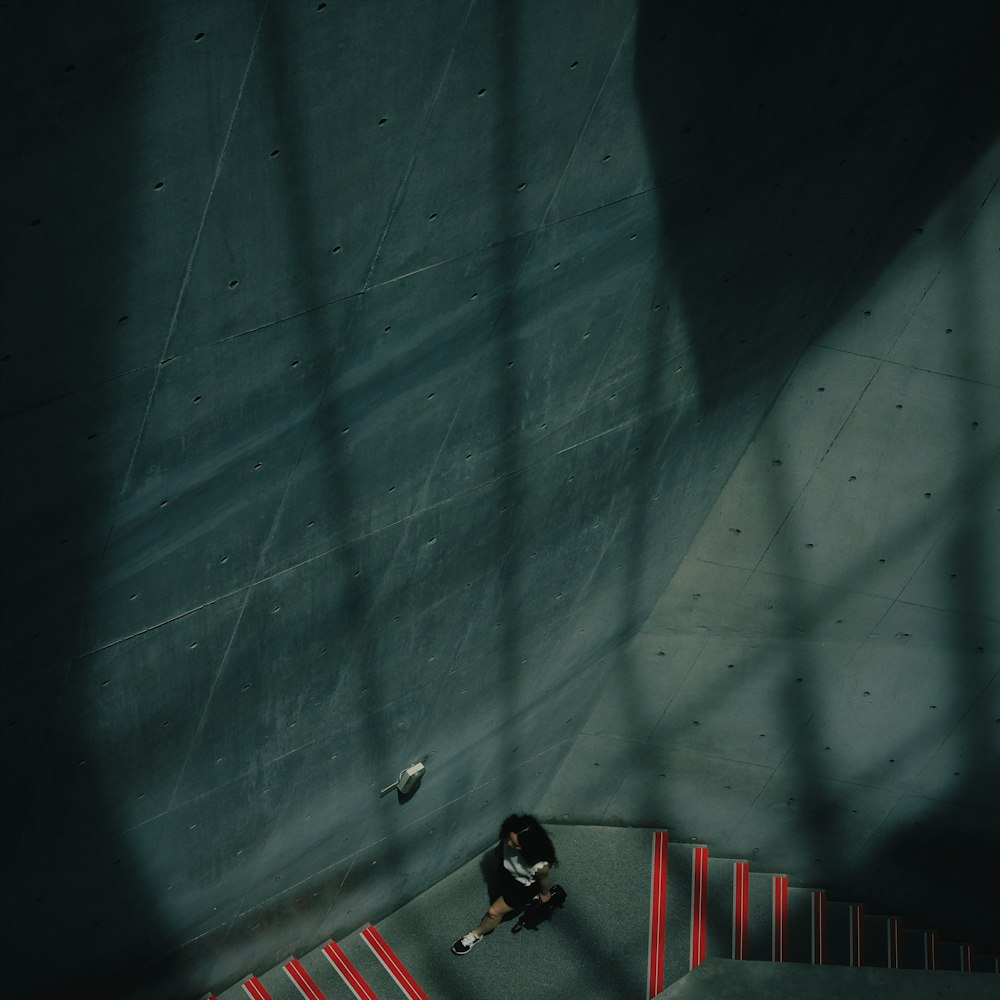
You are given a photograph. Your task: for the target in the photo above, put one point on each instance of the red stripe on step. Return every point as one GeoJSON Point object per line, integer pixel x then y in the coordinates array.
{"type": "Point", "coordinates": [303, 981]}
{"type": "Point", "coordinates": [395, 968]}
{"type": "Point", "coordinates": [779, 934]}
{"type": "Point", "coordinates": [354, 980]}
{"type": "Point", "coordinates": [819, 928]}
{"type": "Point", "coordinates": [255, 988]}
{"type": "Point", "coordinates": [857, 934]}
{"type": "Point", "coordinates": [657, 915]}
{"type": "Point", "coordinates": [699, 906]}
{"type": "Point", "coordinates": [741, 909]}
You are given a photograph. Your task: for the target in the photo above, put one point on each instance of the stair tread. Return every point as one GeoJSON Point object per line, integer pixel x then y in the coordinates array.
{"type": "Point", "coordinates": [278, 985]}
{"type": "Point", "coordinates": [599, 942]}
{"type": "Point", "coordinates": [718, 978]}
{"type": "Point", "coordinates": [600, 938]}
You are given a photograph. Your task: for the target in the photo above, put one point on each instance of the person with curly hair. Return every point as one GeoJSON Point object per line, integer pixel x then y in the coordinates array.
{"type": "Point", "coordinates": [528, 858]}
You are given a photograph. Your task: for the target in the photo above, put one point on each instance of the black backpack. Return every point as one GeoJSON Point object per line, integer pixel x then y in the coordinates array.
{"type": "Point", "coordinates": [537, 912]}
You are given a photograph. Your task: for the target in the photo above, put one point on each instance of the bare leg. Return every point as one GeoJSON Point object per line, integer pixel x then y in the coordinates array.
{"type": "Point", "coordinates": [493, 917]}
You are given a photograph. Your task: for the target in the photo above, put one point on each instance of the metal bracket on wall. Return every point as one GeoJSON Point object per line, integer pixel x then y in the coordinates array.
{"type": "Point", "coordinates": [408, 780]}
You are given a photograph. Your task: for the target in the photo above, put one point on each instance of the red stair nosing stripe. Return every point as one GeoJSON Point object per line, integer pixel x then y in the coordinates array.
{"type": "Point", "coordinates": [741, 909]}
{"type": "Point", "coordinates": [255, 988]}
{"type": "Point", "coordinates": [354, 980]}
{"type": "Point", "coordinates": [699, 906]}
{"type": "Point", "coordinates": [819, 927]}
{"type": "Point", "coordinates": [390, 960]}
{"type": "Point", "coordinates": [303, 981]}
{"type": "Point", "coordinates": [658, 915]}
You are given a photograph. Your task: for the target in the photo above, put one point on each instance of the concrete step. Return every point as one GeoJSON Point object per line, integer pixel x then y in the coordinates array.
{"type": "Point", "coordinates": [728, 908]}
{"type": "Point", "coordinates": [337, 976]}
{"type": "Point", "coordinates": [326, 973]}
{"type": "Point", "coordinates": [986, 963]}
{"type": "Point", "coordinates": [304, 983]}
{"type": "Point", "coordinates": [883, 942]}
{"type": "Point", "coordinates": [723, 979]}
{"type": "Point", "coordinates": [768, 917]}
{"type": "Point", "coordinates": [597, 945]}
{"type": "Point", "coordinates": [387, 971]}
{"type": "Point", "coordinates": [250, 986]}
{"type": "Point", "coordinates": [920, 949]}
{"type": "Point", "coordinates": [955, 956]}
{"type": "Point", "coordinates": [686, 913]}
{"type": "Point", "coordinates": [641, 914]}
{"type": "Point", "coordinates": [845, 933]}
{"type": "Point", "coordinates": [756, 916]}
{"type": "Point", "coordinates": [276, 984]}
{"type": "Point", "coordinates": [806, 926]}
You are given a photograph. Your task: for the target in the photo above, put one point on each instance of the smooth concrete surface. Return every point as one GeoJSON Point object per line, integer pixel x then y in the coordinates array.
{"type": "Point", "coordinates": [369, 369]}
{"type": "Point", "coordinates": [818, 689]}
{"type": "Point", "coordinates": [721, 979]}
{"type": "Point", "coordinates": [826, 659]}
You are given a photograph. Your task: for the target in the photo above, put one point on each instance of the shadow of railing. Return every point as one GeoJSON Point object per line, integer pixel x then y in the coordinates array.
{"type": "Point", "coordinates": [705, 80]}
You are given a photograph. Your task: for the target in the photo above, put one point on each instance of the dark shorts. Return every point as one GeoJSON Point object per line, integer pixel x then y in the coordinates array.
{"type": "Point", "coordinates": [516, 894]}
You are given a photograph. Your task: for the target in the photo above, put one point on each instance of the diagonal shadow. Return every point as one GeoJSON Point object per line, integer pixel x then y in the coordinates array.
{"type": "Point", "coordinates": [678, 97]}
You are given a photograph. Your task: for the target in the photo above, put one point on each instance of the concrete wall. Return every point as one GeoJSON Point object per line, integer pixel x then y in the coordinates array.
{"type": "Point", "coordinates": [368, 369]}
{"type": "Point", "coordinates": [818, 689]}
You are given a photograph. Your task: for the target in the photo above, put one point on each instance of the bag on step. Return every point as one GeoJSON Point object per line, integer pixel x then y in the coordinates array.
{"type": "Point", "coordinates": [537, 912]}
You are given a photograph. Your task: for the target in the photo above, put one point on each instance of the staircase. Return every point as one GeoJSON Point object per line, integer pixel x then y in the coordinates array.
{"type": "Point", "coordinates": [642, 913]}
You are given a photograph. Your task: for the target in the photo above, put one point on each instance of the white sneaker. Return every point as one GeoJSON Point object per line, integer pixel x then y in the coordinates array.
{"type": "Point", "coordinates": [464, 946]}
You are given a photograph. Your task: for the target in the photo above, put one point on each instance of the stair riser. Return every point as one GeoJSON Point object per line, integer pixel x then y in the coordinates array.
{"type": "Point", "coordinates": [679, 913]}
{"type": "Point", "coordinates": [845, 934]}
{"type": "Point", "coordinates": [728, 925]}
{"type": "Point", "coordinates": [806, 921]}
{"type": "Point", "coordinates": [700, 907]}
{"type": "Point", "coordinates": [883, 945]}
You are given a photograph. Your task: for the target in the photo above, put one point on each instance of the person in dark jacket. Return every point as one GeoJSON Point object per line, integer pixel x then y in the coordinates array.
{"type": "Point", "coordinates": [528, 858]}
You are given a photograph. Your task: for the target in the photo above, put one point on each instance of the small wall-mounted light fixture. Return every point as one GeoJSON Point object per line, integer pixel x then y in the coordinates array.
{"type": "Point", "coordinates": [408, 780]}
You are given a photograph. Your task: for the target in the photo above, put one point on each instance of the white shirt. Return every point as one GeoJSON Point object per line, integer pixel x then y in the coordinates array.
{"type": "Point", "coordinates": [514, 863]}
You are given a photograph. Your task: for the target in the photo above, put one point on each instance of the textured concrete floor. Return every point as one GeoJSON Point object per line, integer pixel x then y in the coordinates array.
{"type": "Point", "coordinates": [595, 947]}
{"type": "Point", "coordinates": [719, 979]}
